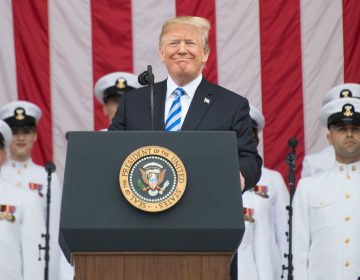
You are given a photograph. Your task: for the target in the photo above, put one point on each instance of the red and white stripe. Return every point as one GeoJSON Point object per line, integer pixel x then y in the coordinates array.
{"type": "Point", "coordinates": [282, 56]}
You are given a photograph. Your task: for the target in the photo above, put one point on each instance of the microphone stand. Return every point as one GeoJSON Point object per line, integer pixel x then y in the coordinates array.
{"type": "Point", "coordinates": [152, 106]}
{"type": "Point", "coordinates": [147, 78]}
{"type": "Point", "coordinates": [50, 168]}
{"type": "Point", "coordinates": [291, 162]}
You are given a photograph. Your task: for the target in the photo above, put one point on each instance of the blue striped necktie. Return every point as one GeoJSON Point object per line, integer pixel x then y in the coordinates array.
{"type": "Point", "coordinates": [173, 120]}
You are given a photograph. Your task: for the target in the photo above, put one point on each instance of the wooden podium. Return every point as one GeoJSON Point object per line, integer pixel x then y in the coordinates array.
{"type": "Point", "coordinates": [106, 238]}
{"type": "Point", "coordinates": [152, 266]}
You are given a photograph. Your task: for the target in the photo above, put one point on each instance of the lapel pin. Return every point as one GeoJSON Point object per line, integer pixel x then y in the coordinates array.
{"type": "Point", "coordinates": [206, 100]}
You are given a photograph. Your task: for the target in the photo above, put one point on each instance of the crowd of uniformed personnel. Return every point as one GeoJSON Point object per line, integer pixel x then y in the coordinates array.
{"type": "Point", "coordinates": [326, 224]}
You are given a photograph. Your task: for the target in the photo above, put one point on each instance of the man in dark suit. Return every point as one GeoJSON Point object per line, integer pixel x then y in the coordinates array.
{"type": "Point", "coordinates": [187, 101]}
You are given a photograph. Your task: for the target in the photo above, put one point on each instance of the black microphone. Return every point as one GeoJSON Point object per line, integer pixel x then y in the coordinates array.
{"type": "Point", "coordinates": [50, 167]}
{"type": "Point", "coordinates": [293, 142]}
{"type": "Point", "coordinates": [145, 77]}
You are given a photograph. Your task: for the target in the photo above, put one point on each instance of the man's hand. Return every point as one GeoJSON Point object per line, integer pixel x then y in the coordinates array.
{"type": "Point", "coordinates": [242, 182]}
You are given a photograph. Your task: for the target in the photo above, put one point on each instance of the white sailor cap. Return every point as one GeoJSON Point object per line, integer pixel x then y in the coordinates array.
{"type": "Point", "coordinates": [20, 114]}
{"type": "Point", "coordinates": [342, 91]}
{"type": "Point", "coordinates": [343, 110]}
{"type": "Point", "coordinates": [257, 118]}
{"type": "Point", "coordinates": [115, 84]}
{"type": "Point", "coordinates": [5, 134]}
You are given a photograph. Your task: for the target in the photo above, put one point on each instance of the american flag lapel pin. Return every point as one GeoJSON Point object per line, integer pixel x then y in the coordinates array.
{"type": "Point", "coordinates": [206, 100]}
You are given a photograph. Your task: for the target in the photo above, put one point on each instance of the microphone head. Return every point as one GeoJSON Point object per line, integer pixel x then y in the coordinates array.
{"type": "Point", "coordinates": [292, 142]}
{"type": "Point", "coordinates": [143, 78]}
{"type": "Point", "coordinates": [50, 167]}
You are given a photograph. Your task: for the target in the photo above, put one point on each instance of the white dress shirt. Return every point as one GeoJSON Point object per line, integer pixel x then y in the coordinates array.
{"type": "Point", "coordinates": [185, 100]}
{"type": "Point", "coordinates": [27, 174]}
{"type": "Point", "coordinates": [326, 240]}
{"type": "Point", "coordinates": [254, 253]}
{"type": "Point", "coordinates": [20, 237]}
{"type": "Point", "coordinates": [278, 217]}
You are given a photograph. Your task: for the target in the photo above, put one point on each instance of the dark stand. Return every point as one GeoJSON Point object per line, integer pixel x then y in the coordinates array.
{"type": "Point", "coordinates": [291, 161]}
{"type": "Point", "coordinates": [50, 168]}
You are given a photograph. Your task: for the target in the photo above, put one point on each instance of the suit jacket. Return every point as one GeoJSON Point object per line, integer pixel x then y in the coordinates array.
{"type": "Point", "coordinates": [225, 111]}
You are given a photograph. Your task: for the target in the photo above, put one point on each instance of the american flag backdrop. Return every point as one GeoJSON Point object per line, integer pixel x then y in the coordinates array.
{"type": "Point", "coordinates": [283, 55]}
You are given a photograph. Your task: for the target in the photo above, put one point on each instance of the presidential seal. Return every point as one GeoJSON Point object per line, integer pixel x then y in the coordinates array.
{"type": "Point", "coordinates": [152, 178]}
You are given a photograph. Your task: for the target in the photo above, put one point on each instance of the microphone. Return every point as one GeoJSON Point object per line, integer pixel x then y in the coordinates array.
{"type": "Point", "coordinates": [293, 142]}
{"type": "Point", "coordinates": [50, 167]}
{"type": "Point", "coordinates": [146, 77]}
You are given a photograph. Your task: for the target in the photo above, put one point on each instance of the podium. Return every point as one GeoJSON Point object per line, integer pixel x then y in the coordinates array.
{"type": "Point", "coordinates": [105, 237]}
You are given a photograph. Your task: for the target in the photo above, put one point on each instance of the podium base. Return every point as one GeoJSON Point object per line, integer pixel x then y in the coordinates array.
{"type": "Point", "coordinates": [152, 265]}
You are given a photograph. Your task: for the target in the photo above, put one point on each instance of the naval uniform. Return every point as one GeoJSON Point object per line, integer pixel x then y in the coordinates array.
{"type": "Point", "coordinates": [254, 255]}
{"type": "Point", "coordinates": [318, 162]}
{"type": "Point", "coordinates": [278, 197]}
{"type": "Point", "coordinates": [32, 177]}
{"type": "Point", "coordinates": [21, 226]}
{"type": "Point", "coordinates": [326, 240]}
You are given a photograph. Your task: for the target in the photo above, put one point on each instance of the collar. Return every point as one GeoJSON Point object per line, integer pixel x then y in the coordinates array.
{"type": "Point", "coordinates": [189, 88]}
{"type": "Point", "coordinates": [19, 164]}
{"type": "Point", "coordinates": [347, 168]}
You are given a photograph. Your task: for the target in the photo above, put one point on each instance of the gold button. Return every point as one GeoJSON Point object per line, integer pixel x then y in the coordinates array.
{"type": "Point", "coordinates": [347, 218]}
{"type": "Point", "coordinates": [347, 196]}
{"type": "Point", "coordinates": [348, 177]}
{"type": "Point", "coordinates": [347, 240]}
{"type": "Point", "coordinates": [18, 183]}
{"type": "Point", "coordinates": [353, 168]}
{"type": "Point", "coordinates": [19, 172]}
{"type": "Point", "coordinates": [346, 263]}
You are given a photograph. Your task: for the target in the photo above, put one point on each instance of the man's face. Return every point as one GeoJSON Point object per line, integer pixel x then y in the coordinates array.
{"type": "Point", "coordinates": [110, 108]}
{"type": "Point", "coordinates": [182, 52]}
{"type": "Point", "coordinates": [346, 142]}
{"type": "Point", "coordinates": [22, 143]}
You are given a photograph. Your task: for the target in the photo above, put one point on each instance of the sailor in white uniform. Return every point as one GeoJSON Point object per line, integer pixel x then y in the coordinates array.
{"type": "Point", "coordinates": [272, 186]}
{"type": "Point", "coordinates": [325, 159]}
{"type": "Point", "coordinates": [254, 254]}
{"type": "Point", "coordinates": [110, 88]}
{"type": "Point", "coordinates": [326, 240]}
{"type": "Point", "coordinates": [19, 169]}
{"type": "Point", "coordinates": [21, 226]}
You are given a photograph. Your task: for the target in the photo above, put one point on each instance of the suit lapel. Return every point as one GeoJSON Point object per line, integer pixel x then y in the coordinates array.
{"type": "Point", "coordinates": [159, 100]}
{"type": "Point", "coordinates": [203, 98]}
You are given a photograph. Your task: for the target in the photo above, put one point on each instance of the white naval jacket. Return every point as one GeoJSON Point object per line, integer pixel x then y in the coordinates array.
{"type": "Point", "coordinates": [278, 217]}
{"type": "Point", "coordinates": [254, 255]}
{"type": "Point", "coordinates": [315, 163]}
{"type": "Point", "coordinates": [19, 238]}
{"type": "Point", "coordinates": [28, 175]}
{"type": "Point", "coordinates": [326, 240]}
